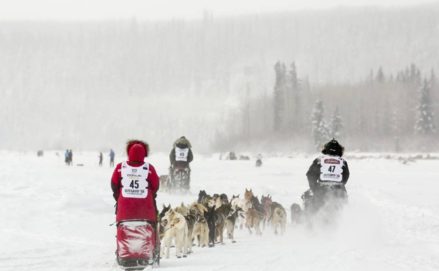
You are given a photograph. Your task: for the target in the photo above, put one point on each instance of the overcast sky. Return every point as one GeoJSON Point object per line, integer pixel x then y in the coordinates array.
{"type": "Point", "coordinates": [166, 9]}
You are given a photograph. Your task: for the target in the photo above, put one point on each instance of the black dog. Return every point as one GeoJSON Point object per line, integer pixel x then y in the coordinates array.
{"type": "Point", "coordinates": [296, 213]}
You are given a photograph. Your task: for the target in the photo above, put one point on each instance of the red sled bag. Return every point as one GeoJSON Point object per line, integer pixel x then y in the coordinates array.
{"type": "Point", "coordinates": [135, 244]}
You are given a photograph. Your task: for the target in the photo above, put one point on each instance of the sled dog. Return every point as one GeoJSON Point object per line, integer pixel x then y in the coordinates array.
{"type": "Point", "coordinates": [190, 221]}
{"type": "Point", "coordinates": [161, 215]}
{"type": "Point", "coordinates": [296, 213]}
{"type": "Point", "coordinates": [252, 220]}
{"type": "Point", "coordinates": [248, 195]}
{"type": "Point", "coordinates": [230, 222]}
{"type": "Point", "coordinates": [244, 204]}
{"type": "Point", "coordinates": [220, 216]}
{"type": "Point", "coordinates": [224, 198]}
{"type": "Point", "coordinates": [182, 209]}
{"type": "Point", "coordinates": [279, 217]}
{"type": "Point", "coordinates": [175, 229]}
{"type": "Point", "coordinates": [266, 202]}
{"type": "Point", "coordinates": [201, 195]}
{"type": "Point", "coordinates": [201, 230]}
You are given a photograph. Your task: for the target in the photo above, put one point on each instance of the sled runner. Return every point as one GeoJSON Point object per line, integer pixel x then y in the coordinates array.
{"type": "Point", "coordinates": [138, 244]}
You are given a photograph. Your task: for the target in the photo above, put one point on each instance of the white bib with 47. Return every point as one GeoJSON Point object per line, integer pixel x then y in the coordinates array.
{"type": "Point", "coordinates": [331, 169]}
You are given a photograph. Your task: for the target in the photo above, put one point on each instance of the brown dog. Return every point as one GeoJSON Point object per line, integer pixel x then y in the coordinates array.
{"type": "Point", "coordinates": [191, 218]}
{"type": "Point", "coordinates": [279, 217]}
{"type": "Point", "coordinates": [220, 216]}
{"type": "Point", "coordinates": [252, 220]}
{"type": "Point", "coordinates": [201, 230]}
{"type": "Point", "coordinates": [248, 195]}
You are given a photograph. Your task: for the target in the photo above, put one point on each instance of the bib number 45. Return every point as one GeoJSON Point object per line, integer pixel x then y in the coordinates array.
{"type": "Point", "coordinates": [134, 184]}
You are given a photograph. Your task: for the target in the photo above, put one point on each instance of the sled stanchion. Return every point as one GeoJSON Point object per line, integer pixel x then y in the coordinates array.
{"type": "Point", "coordinates": [156, 262]}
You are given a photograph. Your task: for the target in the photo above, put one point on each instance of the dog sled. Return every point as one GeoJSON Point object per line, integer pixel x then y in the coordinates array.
{"type": "Point", "coordinates": [138, 244]}
{"type": "Point", "coordinates": [179, 180]}
{"type": "Point", "coordinates": [325, 203]}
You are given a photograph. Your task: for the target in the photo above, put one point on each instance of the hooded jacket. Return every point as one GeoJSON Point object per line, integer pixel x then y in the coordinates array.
{"type": "Point", "coordinates": [181, 143]}
{"type": "Point", "coordinates": [131, 207]}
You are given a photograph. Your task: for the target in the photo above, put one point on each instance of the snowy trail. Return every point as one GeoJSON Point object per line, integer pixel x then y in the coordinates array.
{"type": "Point", "coordinates": [56, 217]}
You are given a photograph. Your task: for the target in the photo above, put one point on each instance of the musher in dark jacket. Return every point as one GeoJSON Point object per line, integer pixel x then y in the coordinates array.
{"type": "Point", "coordinates": [328, 174]}
{"type": "Point", "coordinates": [181, 155]}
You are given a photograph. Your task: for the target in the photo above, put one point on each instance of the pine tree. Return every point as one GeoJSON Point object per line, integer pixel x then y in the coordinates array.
{"type": "Point", "coordinates": [432, 79]}
{"type": "Point", "coordinates": [415, 75]}
{"type": "Point", "coordinates": [246, 115]}
{"type": "Point", "coordinates": [294, 88]}
{"type": "Point", "coordinates": [425, 118]}
{"type": "Point", "coordinates": [336, 124]}
{"type": "Point", "coordinates": [279, 96]}
{"type": "Point", "coordinates": [320, 131]}
{"type": "Point", "coordinates": [395, 122]}
{"type": "Point", "coordinates": [380, 76]}
{"type": "Point", "coordinates": [370, 79]}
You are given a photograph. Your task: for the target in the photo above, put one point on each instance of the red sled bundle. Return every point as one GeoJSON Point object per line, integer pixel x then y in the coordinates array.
{"type": "Point", "coordinates": [136, 245]}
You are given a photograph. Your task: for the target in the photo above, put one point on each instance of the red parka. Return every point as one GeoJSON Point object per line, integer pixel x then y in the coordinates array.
{"type": "Point", "coordinates": [135, 208]}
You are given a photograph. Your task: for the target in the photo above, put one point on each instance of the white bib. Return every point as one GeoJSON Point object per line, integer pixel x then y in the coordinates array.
{"type": "Point", "coordinates": [181, 154]}
{"type": "Point", "coordinates": [331, 168]}
{"type": "Point", "coordinates": [134, 184]}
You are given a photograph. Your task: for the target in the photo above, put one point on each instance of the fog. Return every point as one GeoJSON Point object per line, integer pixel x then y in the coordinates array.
{"type": "Point", "coordinates": [226, 82]}
{"type": "Point", "coordinates": [96, 10]}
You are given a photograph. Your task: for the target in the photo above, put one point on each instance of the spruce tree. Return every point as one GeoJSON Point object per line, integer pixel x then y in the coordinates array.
{"type": "Point", "coordinates": [280, 108]}
{"type": "Point", "coordinates": [432, 79]}
{"type": "Point", "coordinates": [336, 124]}
{"type": "Point", "coordinates": [320, 131]}
{"type": "Point", "coordinates": [278, 98]}
{"type": "Point", "coordinates": [380, 76]}
{"type": "Point", "coordinates": [294, 88]}
{"type": "Point", "coordinates": [425, 119]}
{"type": "Point", "coordinates": [370, 79]}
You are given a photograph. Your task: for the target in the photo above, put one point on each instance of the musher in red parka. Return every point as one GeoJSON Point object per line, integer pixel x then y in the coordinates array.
{"type": "Point", "coordinates": [135, 185]}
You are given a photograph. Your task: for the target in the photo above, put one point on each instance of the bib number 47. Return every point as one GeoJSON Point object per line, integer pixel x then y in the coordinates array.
{"type": "Point", "coordinates": [134, 184]}
{"type": "Point", "coordinates": [331, 168]}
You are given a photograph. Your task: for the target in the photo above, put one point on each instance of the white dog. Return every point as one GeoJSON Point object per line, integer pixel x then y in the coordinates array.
{"type": "Point", "coordinates": [175, 229]}
{"type": "Point", "coordinates": [243, 205]}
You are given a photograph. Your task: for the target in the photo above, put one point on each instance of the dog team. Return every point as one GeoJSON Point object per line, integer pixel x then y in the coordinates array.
{"type": "Point", "coordinates": [207, 219]}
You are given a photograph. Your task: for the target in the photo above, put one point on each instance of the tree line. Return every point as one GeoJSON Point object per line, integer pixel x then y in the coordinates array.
{"type": "Point", "coordinates": [68, 82]}
{"type": "Point", "coordinates": [382, 112]}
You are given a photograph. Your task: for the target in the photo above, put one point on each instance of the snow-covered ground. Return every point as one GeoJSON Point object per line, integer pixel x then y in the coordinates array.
{"type": "Point", "coordinates": [55, 217]}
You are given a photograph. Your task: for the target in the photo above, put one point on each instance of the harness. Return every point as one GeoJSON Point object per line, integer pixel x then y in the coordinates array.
{"type": "Point", "coordinates": [267, 208]}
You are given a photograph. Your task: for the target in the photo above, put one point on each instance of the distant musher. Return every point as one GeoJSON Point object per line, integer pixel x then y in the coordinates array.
{"type": "Point", "coordinates": [180, 156]}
